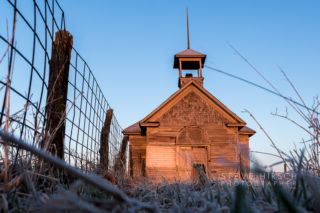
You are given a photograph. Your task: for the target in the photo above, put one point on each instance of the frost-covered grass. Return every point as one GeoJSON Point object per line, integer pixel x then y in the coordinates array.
{"type": "Point", "coordinates": [270, 193]}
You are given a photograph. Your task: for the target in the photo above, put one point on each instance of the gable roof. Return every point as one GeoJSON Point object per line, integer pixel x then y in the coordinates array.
{"type": "Point", "coordinates": [237, 119]}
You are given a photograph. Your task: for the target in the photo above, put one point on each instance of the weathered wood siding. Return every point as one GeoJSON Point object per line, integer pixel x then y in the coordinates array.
{"type": "Point", "coordinates": [161, 162]}
{"type": "Point", "coordinates": [244, 152]}
{"type": "Point", "coordinates": [223, 151]}
{"type": "Point", "coordinates": [137, 155]}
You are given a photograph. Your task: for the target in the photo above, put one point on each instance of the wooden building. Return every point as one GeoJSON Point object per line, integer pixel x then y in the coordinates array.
{"type": "Point", "coordinates": [191, 131]}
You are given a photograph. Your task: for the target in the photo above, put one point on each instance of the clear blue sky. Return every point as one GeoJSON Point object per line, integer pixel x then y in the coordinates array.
{"type": "Point", "coordinates": [130, 45]}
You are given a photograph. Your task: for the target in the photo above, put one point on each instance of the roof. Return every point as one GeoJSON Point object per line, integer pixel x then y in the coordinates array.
{"type": "Point", "coordinates": [206, 93]}
{"type": "Point", "coordinates": [134, 128]}
{"type": "Point", "coordinates": [247, 130]}
{"type": "Point", "coordinates": [188, 53]}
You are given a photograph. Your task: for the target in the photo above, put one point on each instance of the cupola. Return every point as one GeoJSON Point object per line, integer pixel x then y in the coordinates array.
{"type": "Point", "coordinates": [188, 61]}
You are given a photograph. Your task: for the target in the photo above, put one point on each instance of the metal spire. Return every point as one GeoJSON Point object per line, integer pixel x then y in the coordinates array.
{"type": "Point", "coordinates": [188, 29]}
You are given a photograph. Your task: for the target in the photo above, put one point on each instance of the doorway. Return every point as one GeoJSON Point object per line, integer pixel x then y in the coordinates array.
{"type": "Point", "coordinates": [191, 160]}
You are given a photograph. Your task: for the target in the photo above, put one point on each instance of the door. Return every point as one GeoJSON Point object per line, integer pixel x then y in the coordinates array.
{"type": "Point", "coordinates": [185, 163]}
{"type": "Point", "coordinates": [190, 161]}
{"type": "Point", "coordinates": [199, 161]}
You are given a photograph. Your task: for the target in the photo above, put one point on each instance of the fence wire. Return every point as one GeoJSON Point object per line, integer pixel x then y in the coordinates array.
{"type": "Point", "coordinates": [27, 30]}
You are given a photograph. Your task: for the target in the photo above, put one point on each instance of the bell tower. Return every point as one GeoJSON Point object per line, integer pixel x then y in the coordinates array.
{"type": "Point", "coordinates": [189, 62]}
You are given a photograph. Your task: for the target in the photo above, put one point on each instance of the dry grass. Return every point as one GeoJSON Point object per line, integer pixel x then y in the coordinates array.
{"type": "Point", "coordinates": [75, 191]}
{"type": "Point", "coordinates": [31, 192]}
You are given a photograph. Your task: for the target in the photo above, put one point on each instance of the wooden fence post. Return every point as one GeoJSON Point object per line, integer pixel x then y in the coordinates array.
{"type": "Point", "coordinates": [121, 156]}
{"type": "Point", "coordinates": [57, 93]}
{"type": "Point", "coordinates": [123, 150]}
{"type": "Point", "coordinates": [104, 142]}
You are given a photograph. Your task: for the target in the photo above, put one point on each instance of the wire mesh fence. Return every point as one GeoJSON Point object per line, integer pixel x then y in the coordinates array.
{"type": "Point", "coordinates": [27, 35]}
{"type": "Point", "coordinates": [85, 119]}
